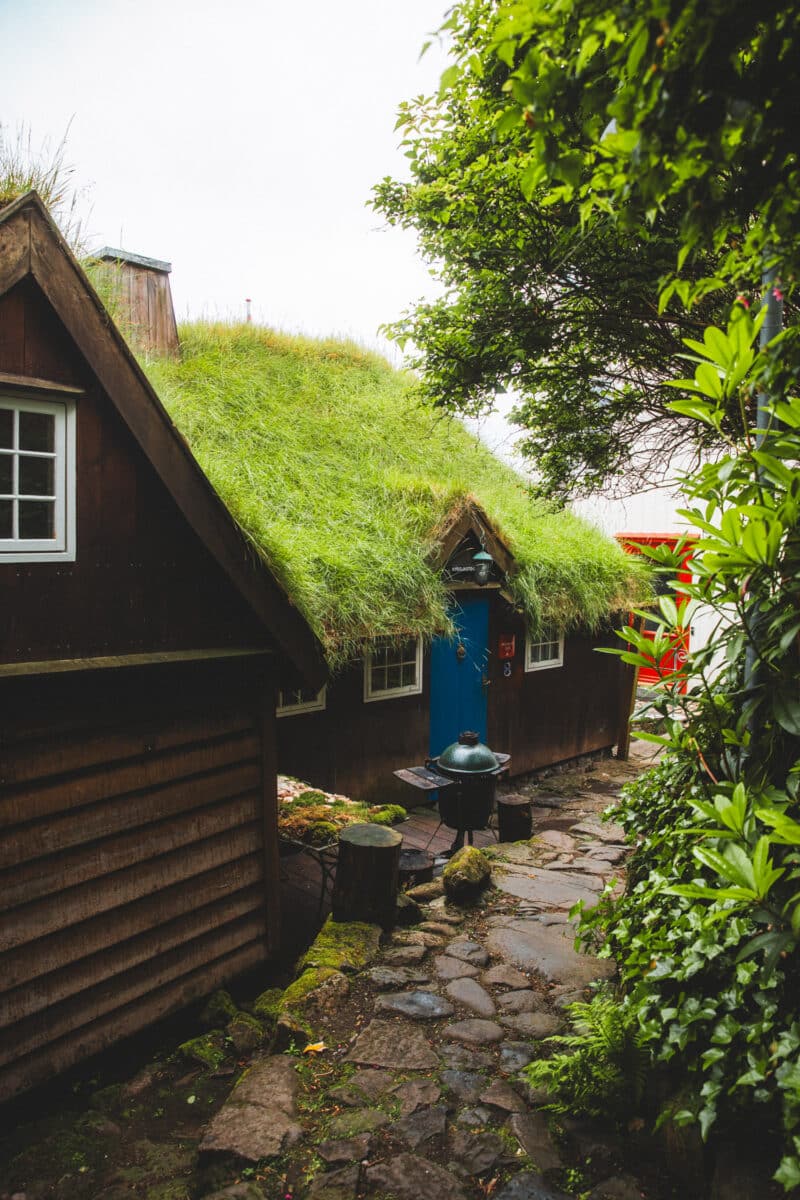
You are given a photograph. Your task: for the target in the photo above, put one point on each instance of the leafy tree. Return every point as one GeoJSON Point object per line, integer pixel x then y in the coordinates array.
{"type": "Point", "coordinates": [551, 257]}
{"type": "Point", "coordinates": [679, 112]}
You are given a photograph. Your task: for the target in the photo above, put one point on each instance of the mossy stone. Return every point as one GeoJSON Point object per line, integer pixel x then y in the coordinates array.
{"type": "Point", "coordinates": [208, 1049]}
{"type": "Point", "coordinates": [466, 874]}
{"type": "Point", "coordinates": [347, 946]}
{"type": "Point", "coordinates": [246, 1033]}
{"type": "Point", "coordinates": [267, 1006]}
{"type": "Point", "coordinates": [218, 1010]}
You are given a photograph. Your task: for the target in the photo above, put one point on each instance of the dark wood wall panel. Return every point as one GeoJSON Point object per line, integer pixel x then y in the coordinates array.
{"type": "Point", "coordinates": [142, 581]}
{"type": "Point", "coordinates": [352, 747]}
{"type": "Point", "coordinates": [538, 717]}
{"type": "Point", "coordinates": [56, 1056]}
{"type": "Point", "coordinates": [549, 716]}
{"type": "Point", "coordinates": [149, 881]}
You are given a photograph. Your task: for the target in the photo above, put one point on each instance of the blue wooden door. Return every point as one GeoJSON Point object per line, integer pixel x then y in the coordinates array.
{"type": "Point", "coordinates": [458, 676]}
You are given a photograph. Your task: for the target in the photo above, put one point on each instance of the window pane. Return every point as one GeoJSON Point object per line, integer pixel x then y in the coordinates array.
{"type": "Point", "coordinates": [36, 519]}
{"type": "Point", "coordinates": [6, 428]}
{"type": "Point", "coordinates": [6, 518]}
{"type": "Point", "coordinates": [409, 674]}
{"type": "Point", "coordinates": [394, 677]}
{"type": "Point", "coordinates": [6, 474]}
{"type": "Point", "coordinates": [36, 431]}
{"type": "Point", "coordinates": [36, 476]}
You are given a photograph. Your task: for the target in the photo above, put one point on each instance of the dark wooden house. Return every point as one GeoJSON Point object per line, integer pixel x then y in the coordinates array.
{"type": "Point", "coordinates": [544, 699]}
{"type": "Point", "coordinates": [376, 508]}
{"type": "Point", "coordinates": [141, 646]}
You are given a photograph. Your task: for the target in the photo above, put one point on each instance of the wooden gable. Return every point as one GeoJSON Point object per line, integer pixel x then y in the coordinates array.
{"type": "Point", "coordinates": [161, 566]}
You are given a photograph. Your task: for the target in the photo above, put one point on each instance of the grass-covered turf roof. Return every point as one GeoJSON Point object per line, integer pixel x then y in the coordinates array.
{"type": "Point", "coordinates": [342, 479]}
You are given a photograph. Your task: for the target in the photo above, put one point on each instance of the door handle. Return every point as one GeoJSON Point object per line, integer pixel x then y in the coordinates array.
{"type": "Point", "coordinates": [485, 681]}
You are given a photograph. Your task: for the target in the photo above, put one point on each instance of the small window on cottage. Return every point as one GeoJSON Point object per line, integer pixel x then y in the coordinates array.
{"type": "Point", "coordinates": [393, 668]}
{"type": "Point", "coordinates": [37, 480]}
{"type": "Point", "coordinates": [547, 650]}
{"type": "Point", "coordinates": [300, 700]}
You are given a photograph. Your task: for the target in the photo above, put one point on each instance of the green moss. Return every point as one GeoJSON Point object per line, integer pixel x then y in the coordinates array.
{"type": "Point", "coordinates": [208, 1050]}
{"type": "Point", "coordinates": [246, 1033]}
{"type": "Point", "coordinates": [467, 872]}
{"type": "Point", "coordinates": [342, 946]}
{"type": "Point", "coordinates": [322, 833]}
{"type": "Point", "coordinates": [309, 981]}
{"type": "Point", "coordinates": [308, 798]}
{"type": "Point", "coordinates": [345, 483]}
{"type": "Point", "coordinates": [387, 814]}
{"type": "Point", "coordinates": [268, 1005]}
{"type": "Point", "coordinates": [218, 1010]}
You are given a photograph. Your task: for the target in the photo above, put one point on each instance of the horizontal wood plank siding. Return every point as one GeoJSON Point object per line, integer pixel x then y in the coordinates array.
{"type": "Point", "coordinates": [132, 858]}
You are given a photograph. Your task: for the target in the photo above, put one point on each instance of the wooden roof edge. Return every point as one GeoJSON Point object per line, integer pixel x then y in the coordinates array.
{"type": "Point", "coordinates": [64, 283]}
{"type": "Point", "coordinates": [466, 518]}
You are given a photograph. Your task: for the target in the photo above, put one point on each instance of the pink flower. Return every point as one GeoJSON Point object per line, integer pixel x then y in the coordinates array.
{"type": "Point", "coordinates": [778, 294]}
{"type": "Point", "coordinates": [745, 303]}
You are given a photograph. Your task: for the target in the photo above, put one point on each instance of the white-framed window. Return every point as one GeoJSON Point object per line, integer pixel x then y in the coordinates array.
{"type": "Point", "coordinates": [393, 668]}
{"type": "Point", "coordinates": [292, 701]}
{"type": "Point", "coordinates": [37, 479]}
{"type": "Point", "coordinates": [547, 650]}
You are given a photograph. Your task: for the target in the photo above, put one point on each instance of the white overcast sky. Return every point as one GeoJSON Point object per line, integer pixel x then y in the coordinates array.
{"type": "Point", "coordinates": [238, 140]}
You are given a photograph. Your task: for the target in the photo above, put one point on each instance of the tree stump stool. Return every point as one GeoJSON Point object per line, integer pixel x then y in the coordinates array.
{"type": "Point", "coordinates": [416, 866]}
{"type": "Point", "coordinates": [366, 875]}
{"type": "Point", "coordinates": [514, 821]}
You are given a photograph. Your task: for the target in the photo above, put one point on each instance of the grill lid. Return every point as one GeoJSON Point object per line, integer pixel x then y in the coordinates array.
{"type": "Point", "coordinates": [467, 756]}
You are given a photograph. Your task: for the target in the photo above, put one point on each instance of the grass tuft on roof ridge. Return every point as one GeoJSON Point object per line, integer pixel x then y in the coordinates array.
{"type": "Point", "coordinates": [341, 477]}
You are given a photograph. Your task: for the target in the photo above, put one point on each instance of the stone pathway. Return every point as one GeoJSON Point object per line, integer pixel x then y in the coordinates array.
{"type": "Point", "coordinates": [434, 1105]}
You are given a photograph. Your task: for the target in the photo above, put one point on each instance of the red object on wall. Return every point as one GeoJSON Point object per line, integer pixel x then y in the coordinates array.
{"type": "Point", "coordinates": [506, 645]}
{"type": "Point", "coordinates": [673, 660]}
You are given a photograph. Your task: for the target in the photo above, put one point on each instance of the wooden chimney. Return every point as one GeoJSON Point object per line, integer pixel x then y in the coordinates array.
{"type": "Point", "coordinates": [143, 299]}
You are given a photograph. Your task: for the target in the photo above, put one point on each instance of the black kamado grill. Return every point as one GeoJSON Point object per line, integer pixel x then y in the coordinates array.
{"type": "Point", "coordinates": [464, 776]}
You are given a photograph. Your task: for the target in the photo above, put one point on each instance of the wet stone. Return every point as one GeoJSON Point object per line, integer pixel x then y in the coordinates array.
{"type": "Point", "coordinates": [548, 949]}
{"type": "Point", "coordinates": [453, 968]}
{"type": "Point", "coordinates": [422, 1126]}
{"type": "Point", "coordinates": [477, 1152]}
{"type": "Point", "coordinates": [476, 1117]}
{"type": "Point", "coordinates": [385, 978]}
{"type": "Point", "coordinates": [470, 952]}
{"type": "Point", "coordinates": [514, 1056]}
{"type": "Point", "coordinates": [475, 1032]}
{"type": "Point", "coordinates": [533, 1024]}
{"type": "Point", "coordinates": [446, 918]}
{"type": "Point", "coordinates": [258, 1118]}
{"type": "Point", "coordinates": [557, 839]}
{"type": "Point", "coordinates": [335, 1185]}
{"type": "Point", "coordinates": [364, 1085]}
{"type": "Point", "coordinates": [465, 1059]}
{"type": "Point", "coordinates": [601, 831]}
{"type": "Point", "coordinates": [441, 928]}
{"type": "Point", "coordinates": [358, 1120]}
{"type": "Point", "coordinates": [418, 937]}
{"type": "Point", "coordinates": [416, 1093]}
{"type": "Point", "coordinates": [470, 994]}
{"type": "Point", "coordinates": [395, 1044]}
{"type": "Point", "coordinates": [533, 1134]}
{"type": "Point", "coordinates": [345, 1150]}
{"type": "Point", "coordinates": [525, 1001]}
{"type": "Point", "coordinates": [501, 1094]}
{"type": "Point", "coordinates": [409, 1177]}
{"type": "Point", "coordinates": [404, 956]}
{"type": "Point", "coordinates": [530, 1185]}
{"type": "Point", "coordinates": [466, 1085]}
{"type": "Point", "coordinates": [503, 975]}
{"type": "Point", "coordinates": [420, 1006]}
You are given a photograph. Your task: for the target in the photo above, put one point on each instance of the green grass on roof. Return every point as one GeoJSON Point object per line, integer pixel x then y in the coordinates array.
{"type": "Point", "coordinates": [340, 478]}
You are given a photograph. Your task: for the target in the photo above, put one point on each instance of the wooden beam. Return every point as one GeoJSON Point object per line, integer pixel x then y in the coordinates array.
{"type": "Point", "coordinates": [56, 666]}
{"type": "Point", "coordinates": [15, 248]}
{"type": "Point", "coordinates": [27, 383]}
